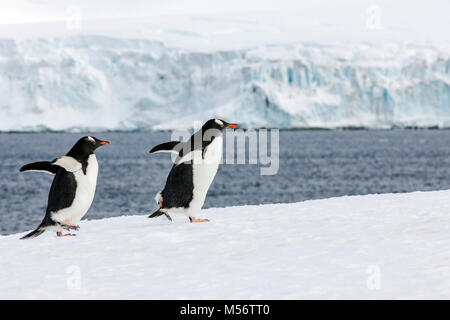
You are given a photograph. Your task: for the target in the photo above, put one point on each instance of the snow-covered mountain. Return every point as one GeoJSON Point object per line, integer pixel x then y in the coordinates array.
{"type": "Point", "coordinates": [99, 82]}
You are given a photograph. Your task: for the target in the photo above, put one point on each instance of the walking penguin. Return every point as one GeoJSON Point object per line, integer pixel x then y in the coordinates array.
{"type": "Point", "coordinates": [193, 171]}
{"type": "Point", "coordinates": [73, 187]}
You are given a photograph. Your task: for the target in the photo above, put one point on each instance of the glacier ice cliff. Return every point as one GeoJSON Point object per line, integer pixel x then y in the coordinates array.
{"type": "Point", "coordinates": [103, 83]}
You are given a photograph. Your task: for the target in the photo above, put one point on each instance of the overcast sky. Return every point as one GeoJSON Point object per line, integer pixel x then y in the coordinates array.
{"type": "Point", "coordinates": [420, 11]}
{"type": "Point", "coordinates": [429, 18]}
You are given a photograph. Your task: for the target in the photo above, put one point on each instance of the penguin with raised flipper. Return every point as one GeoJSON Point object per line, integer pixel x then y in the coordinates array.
{"type": "Point", "coordinates": [73, 187]}
{"type": "Point", "coordinates": [193, 171]}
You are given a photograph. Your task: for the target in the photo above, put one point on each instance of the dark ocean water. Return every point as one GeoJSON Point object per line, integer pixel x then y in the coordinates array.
{"type": "Point", "coordinates": [313, 165]}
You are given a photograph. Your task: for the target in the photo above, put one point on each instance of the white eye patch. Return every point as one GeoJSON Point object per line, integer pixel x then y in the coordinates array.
{"type": "Point", "coordinates": [220, 123]}
{"type": "Point", "coordinates": [91, 139]}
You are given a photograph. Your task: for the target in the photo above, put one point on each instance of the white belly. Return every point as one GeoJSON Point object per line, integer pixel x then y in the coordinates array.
{"type": "Point", "coordinates": [204, 172]}
{"type": "Point", "coordinates": [86, 185]}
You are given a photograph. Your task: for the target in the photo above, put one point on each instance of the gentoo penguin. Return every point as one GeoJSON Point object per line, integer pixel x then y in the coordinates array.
{"type": "Point", "coordinates": [193, 171]}
{"type": "Point", "coordinates": [73, 187]}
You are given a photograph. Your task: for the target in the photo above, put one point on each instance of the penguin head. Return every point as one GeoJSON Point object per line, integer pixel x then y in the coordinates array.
{"type": "Point", "coordinates": [218, 124]}
{"type": "Point", "coordinates": [213, 128]}
{"type": "Point", "coordinates": [86, 146]}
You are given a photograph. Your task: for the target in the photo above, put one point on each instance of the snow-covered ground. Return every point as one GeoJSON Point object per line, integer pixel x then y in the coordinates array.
{"type": "Point", "coordinates": [376, 246]}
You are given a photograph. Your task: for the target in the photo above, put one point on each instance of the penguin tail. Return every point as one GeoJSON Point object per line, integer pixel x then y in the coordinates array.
{"type": "Point", "coordinates": [33, 234]}
{"type": "Point", "coordinates": [155, 214]}
{"type": "Point", "coordinates": [158, 213]}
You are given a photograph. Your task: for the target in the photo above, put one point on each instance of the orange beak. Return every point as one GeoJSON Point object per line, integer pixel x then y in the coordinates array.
{"type": "Point", "coordinates": [232, 125]}
{"type": "Point", "coordinates": [103, 143]}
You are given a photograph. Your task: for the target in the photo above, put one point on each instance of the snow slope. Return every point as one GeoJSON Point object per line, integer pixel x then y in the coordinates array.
{"type": "Point", "coordinates": [98, 82]}
{"type": "Point", "coordinates": [376, 246]}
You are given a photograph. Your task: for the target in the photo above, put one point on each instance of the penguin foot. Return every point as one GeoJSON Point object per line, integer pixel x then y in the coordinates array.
{"type": "Point", "coordinates": [69, 227]}
{"type": "Point", "coordinates": [167, 216]}
{"type": "Point", "coordinates": [59, 234]}
{"type": "Point", "coordinates": [198, 220]}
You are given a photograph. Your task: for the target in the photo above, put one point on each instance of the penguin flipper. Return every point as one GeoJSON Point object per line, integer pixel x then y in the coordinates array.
{"type": "Point", "coordinates": [167, 147]}
{"type": "Point", "coordinates": [41, 166]}
{"type": "Point", "coordinates": [33, 234]}
{"type": "Point", "coordinates": [67, 163]}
